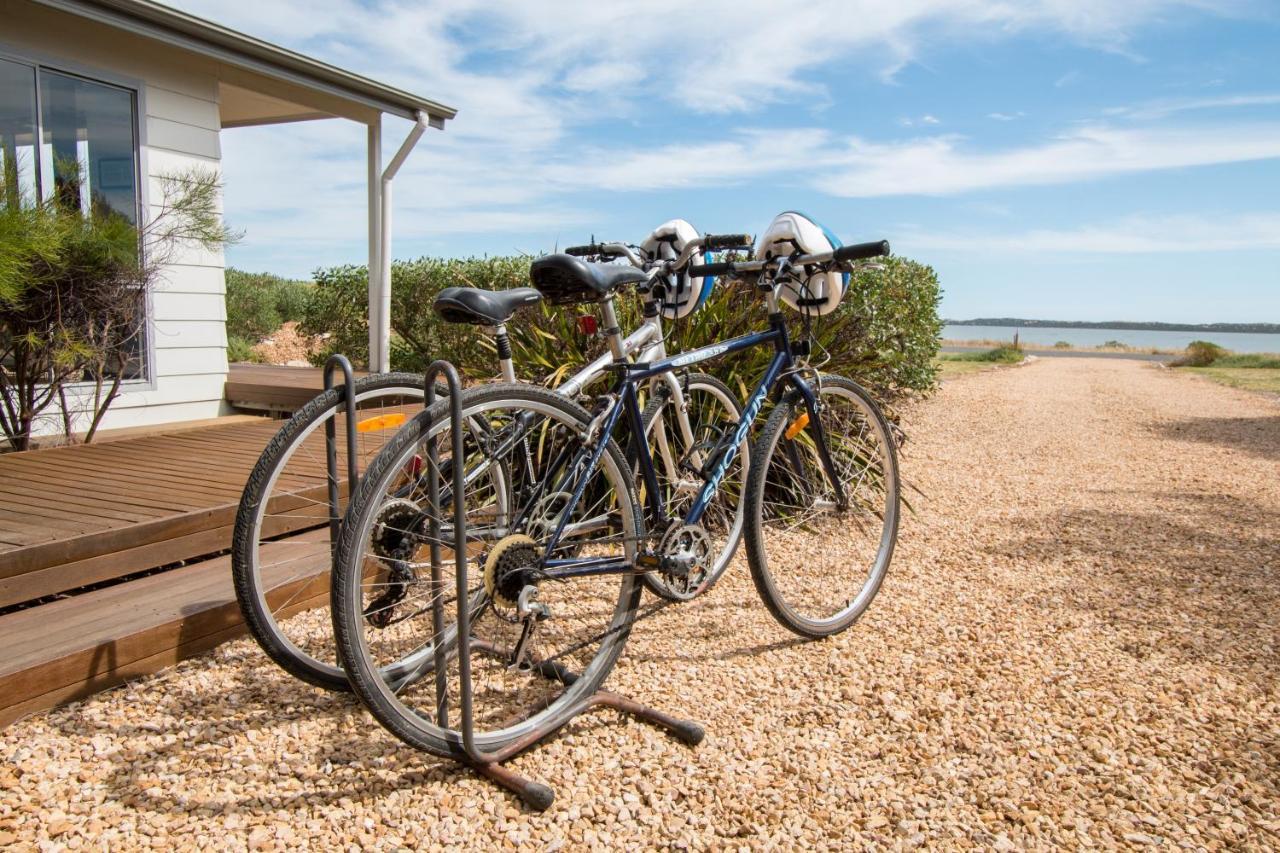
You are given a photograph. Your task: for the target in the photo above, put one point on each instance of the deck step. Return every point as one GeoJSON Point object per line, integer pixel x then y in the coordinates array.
{"type": "Point", "coordinates": [77, 646]}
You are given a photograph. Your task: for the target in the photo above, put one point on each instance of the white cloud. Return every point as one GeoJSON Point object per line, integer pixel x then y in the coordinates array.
{"type": "Point", "coordinates": [1006, 116]}
{"type": "Point", "coordinates": [1169, 106]}
{"type": "Point", "coordinates": [733, 56]}
{"type": "Point", "coordinates": [535, 80]}
{"type": "Point", "coordinates": [1133, 235]}
{"type": "Point", "coordinates": [941, 165]}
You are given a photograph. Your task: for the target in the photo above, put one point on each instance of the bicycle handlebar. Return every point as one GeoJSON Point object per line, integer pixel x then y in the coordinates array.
{"type": "Point", "coordinates": [722, 268]}
{"type": "Point", "coordinates": [721, 242]}
{"type": "Point", "coordinates": [857, 252]}
{"type": "Point", "coordinates": [861, 251]}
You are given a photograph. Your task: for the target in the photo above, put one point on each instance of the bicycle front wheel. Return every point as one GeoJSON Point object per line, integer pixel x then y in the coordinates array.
{"type": "Point", "coordinates": [385, 604]}
{"type": "Point", "coordinates": [819, 550]}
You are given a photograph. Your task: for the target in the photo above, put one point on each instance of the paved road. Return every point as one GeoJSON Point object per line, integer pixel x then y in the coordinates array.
{"type": "Point", "coordinates": [1058, 353]}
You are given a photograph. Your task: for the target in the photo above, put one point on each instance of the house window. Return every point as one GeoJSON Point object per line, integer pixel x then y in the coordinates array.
{"type": "Point", "coordinates": [18, 132]}
{"type": "Point", "coordinates": [87, 156]}
{"type": "Point", "coordinates": [87, 145]}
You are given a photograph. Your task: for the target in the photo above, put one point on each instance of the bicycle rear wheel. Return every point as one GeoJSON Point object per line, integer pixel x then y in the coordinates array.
{"type": "Point", "coordinates": [281, 554]}
{"type": "Point", "coordinates": [794, 515]}
{"type": "Point", "coordinates": [710, 412]}
{"type": "Point", "coordinates": [392, 661]}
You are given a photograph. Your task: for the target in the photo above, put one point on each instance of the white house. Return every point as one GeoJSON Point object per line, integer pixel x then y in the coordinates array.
{"type": "Point", "coordinates": [136, 90]}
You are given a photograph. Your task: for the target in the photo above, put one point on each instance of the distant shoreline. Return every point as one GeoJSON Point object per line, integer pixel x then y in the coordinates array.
{"type": "Point", "coordinates": [1121, 325]}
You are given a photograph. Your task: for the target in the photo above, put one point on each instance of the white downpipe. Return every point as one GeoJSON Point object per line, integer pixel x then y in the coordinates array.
{"type": "Point", "coordinates": [383, 362]}
{"type": "Point", "coordinates": [375, 236]}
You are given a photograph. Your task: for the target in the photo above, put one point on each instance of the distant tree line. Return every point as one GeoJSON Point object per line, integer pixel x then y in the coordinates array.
{"type": "Point", "coordinates": [1127, 325]}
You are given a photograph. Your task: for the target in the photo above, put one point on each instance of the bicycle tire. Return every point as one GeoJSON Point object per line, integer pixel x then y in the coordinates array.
{"type": "Point", "coordinates": [251, 592]}
{"type": "Point", "coordinates": [704, 382]}
{"type": "Point", "coordinates": [763, 499]}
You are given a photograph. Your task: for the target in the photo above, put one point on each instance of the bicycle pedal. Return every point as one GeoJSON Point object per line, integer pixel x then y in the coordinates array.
{"type": "Point", "coordinates": [649, 560]}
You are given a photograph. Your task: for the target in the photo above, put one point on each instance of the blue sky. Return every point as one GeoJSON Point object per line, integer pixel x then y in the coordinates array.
{"type": "Point", "coordinates": [1069, 159]}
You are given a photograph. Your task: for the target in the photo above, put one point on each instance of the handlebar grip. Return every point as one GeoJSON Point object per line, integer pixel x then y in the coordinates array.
{"type": "Point", "coordinates": [580, 251]}
{"type": "Point", "coordinates": [861, 251]}
{"type": "Point", "coordinates": [712, 269]}
{"type": "Point", "coordinates": [720, 242]}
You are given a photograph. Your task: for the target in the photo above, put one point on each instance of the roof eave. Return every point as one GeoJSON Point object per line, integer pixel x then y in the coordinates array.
{"type": "Point", "coordinates": [191, 33]}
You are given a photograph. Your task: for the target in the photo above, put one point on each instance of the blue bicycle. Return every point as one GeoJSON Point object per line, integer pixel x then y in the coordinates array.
{"type": "Point", "coordinates": [558, 551]}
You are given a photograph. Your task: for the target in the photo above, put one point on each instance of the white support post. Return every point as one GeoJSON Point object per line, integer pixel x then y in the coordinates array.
{"type": "Point", "coordinates": [384, 248]}
{"type": "Point", "coordinates": [375, 239]}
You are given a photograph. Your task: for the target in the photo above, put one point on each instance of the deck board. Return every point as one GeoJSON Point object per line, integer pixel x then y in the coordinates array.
{"type": "Point", "coordinates": [74, 519]}
{"type": "Point", "coordinates": [271, 388]}
{"type": "Point", "coordinates": [75, 647]}
{"type": "Point", "coordinates": [83, 514]}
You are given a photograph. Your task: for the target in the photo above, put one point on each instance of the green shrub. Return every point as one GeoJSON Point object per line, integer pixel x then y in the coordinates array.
{"type": "Point", "coordinates": [1264, 360]}
{"type": "Point", "coordinates": [1001, 355]}
{"type": "Point", "coordinates": [1200, 354]}
{"type": "Point", "coordinates": [1121, 345]}
{"type": "Point", "coordinates": [240, 349]}
{"type": "Point", "coordinates": [74, 290]}
{"type": "Point", "coordinates": [259, 303]}
{"type": "Point", "coordinates": [1062, 345]}
{"type": "Point", "coordinates": [885, 333]}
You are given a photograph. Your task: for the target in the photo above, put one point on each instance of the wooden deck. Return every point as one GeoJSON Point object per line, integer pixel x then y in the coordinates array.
{"type": "Point", "coordinates": [270, 388]}
{"type": "Point", "coordinates": [71, 517]}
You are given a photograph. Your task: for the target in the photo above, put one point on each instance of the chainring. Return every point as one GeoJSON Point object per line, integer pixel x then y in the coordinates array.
{"type": "Point", "coordinates": [690, 545]}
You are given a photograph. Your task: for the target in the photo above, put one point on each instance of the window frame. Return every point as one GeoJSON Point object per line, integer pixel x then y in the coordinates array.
{"type": "Point", "coordinates": [40, 60]}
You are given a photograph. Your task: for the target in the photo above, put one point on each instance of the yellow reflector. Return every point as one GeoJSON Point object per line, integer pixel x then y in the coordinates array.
{"type": "Point", "coordinates": [797, 425]}
{"type": "Point", "coordinates": [381, 422]}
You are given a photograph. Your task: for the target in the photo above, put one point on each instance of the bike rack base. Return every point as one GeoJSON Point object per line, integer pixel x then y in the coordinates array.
{"type": "Point", "coordinates": [538, 796]}
{"type": "Point", "coordinates": [488, 764]}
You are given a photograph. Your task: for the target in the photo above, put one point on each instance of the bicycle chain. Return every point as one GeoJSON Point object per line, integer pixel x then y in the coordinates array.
{"type": "Point", "coordinates": [650, 611]}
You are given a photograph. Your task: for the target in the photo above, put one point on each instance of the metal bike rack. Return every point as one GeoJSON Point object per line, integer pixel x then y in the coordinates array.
{"type": "Point", "coordinates": [490, 763]}
{"type": "Point", "coordinates": [330, 443]}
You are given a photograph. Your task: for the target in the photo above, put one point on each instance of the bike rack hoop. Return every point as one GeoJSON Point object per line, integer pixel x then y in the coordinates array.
{"type": "Point", "coordinates": [340, 362]}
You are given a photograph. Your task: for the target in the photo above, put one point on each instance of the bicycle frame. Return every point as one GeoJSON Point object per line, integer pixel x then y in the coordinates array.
{"type": "Point", "coordinates": [634, 374]}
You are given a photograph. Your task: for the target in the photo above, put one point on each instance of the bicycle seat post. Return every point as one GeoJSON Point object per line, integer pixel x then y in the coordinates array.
{"type": "Point", "coordinates": [611, 331]}
{"type": "Point", "coordinates": [503, 342]}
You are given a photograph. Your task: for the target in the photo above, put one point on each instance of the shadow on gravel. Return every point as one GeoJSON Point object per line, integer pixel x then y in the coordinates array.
{"type": "Point", "coordinates": [200, 733]}
{"type": "Point", "coordinates": [1196, 579]}
{"type": "Point", "coordinates": [1256, 436]}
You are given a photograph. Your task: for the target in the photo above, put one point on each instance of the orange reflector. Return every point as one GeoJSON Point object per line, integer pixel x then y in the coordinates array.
{"type": "Point", "coordinates": [381, 422]}
{"type": "Point", "coordinates": [797, 425]}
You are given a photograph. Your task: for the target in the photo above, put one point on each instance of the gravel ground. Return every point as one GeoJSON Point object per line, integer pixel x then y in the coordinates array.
{"type": "Point", "coordinates": [1077, 644]}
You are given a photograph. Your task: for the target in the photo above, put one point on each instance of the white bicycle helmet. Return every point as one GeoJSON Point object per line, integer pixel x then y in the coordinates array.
{"type": "Point", "coordinates": [682, 295]}
{"type": "Point", "coordinates": [819, 293]}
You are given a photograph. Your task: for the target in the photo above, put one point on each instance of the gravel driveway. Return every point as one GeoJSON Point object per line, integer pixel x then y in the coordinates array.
{"type": "Point", "coordinates": [1077, 643]}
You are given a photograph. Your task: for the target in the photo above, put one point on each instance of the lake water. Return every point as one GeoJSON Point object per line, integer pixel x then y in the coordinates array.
{"type": "Point", "coordinates": [1136, 338]}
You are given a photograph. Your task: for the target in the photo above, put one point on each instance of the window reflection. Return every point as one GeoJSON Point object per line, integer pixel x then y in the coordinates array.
{"type": "Point", "coordinates": [87, 151]}
{"type": "Point", "coordinates": [85, 161]}
{"type": "Point", "coordinates": [17, 133]}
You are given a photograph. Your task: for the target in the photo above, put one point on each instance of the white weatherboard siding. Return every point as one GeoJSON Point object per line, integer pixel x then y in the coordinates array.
{"type": "Point", "coordinates": [180, 125]}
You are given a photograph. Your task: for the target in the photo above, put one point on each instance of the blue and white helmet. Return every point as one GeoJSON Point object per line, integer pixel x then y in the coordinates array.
{"type": "Point", "coordinates": [683, 295]}
{"type": "Point", "coordinates": [821, 292]}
